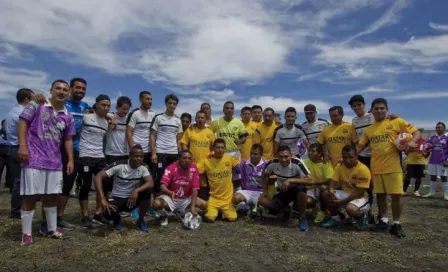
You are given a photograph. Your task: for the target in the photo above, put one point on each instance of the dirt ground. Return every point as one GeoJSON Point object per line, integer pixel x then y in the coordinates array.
{"type": "Point", "coordinates": [247, 245]}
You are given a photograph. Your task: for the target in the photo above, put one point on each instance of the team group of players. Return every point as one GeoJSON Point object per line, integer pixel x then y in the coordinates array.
{"type": "Point", "coordinates": [216, 166]}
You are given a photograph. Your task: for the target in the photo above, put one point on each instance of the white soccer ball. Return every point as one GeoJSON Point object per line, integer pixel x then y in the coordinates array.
{"type": "Point", "coordinates": [402, 140]}
{"type": "Point", "coordinates": [192, 222]}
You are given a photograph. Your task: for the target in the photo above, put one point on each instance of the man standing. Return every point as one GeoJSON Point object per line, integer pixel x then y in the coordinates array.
{"type": "Point", "coordinates": [362, 121]}
{"type": "Point", "coordinates": [264, 134]}
{"type": "Point", "coordinates": [138, 126]}
{"type": "Point", "coordinates": [250, 127]}
{"type": "Point", "coordinates": [42, 130]}
{"type": "Point", "coordinates": [4, 157]}
{"type": "Point", "coordinates": [205, 107]}
{"type": "Point", "coordinates": [23, 97]}
{"type": "Point", "coordinates": [230, 129]}
{"type": "Point", "coordinates": [77, 109]}
{"type": "Point", "coordinates": [91, 156]}
{"type": "Point", "coordinates": [385, 165]}
{"type": "Point", "coordinates": [313, 125]}
{"type": "Point", "coordinates": [166, 129]}
{"type": "Point", "coordinates": [185, 119]}
{"type": "Point", "coordinates": [337, 135]}
{"type": "Point", "coordinates": [257, 114]}
{"type": "Point", "coordinates": [290, 133]}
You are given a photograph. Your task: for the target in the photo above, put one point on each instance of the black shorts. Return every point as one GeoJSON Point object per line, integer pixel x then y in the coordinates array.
{"type": "Point", "coordinates": [283, 198]}
{"type": "Point", "coordinates": [92, 165]}
{"type": "Point", "coordinates": [163, 161]}
{"type": "Point", "coordinates": [69, 180]}
{"type": "Point", "coordinates": [111, 159]}
{"type": "Point", "coordinates": [415, 170]}
{"type": "Point", "coordinates": [365, 160]}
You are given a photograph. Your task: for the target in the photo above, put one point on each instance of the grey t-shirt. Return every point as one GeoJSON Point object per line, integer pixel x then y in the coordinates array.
{"type": "Point", "coordinates": [296, 169]}
{"type": "Point", "coordinates": [126, 179]}
{"type": "Point", "coordinates": [289, 136]}
{"type": "Point", "coordinates": [360, 124]}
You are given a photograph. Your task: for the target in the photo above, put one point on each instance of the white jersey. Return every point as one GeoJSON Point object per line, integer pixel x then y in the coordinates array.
{"type": "Point", "coordinates": [360, 124]}
{"type": "Point", "coordinates": [126, 179]}
{"type": "Point", "coordinates": [289, 136]}
{"type": "Point", "coordinates": [92, 136]}
{"type": "Point", "coordinates": [167, 128]}
{"type": "Point", "coordinates": [312, 130]}
{"type": "Point", "coordinates": [141, 121]}
{"type": "Point", "coordinates": [116, 143]}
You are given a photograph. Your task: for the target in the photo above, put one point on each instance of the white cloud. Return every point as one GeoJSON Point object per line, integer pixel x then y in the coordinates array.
{"type": "Point", "coordinates": [368, 90]}
{"type": "Point", "coordinates": [420, 95]}
{"type": "Point", "coordinates": [438, 27]}
{"type": "Point", "coordinates": [12, 79]}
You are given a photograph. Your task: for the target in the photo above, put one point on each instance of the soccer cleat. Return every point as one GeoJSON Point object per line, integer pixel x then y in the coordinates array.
{"type": "Point", "coordinates": [428, 195]}
{"type": "Point", "coordinates": [320, 217]}
{"type": "Point", "coordinates": [445, 196]}
{"type": "Point", "coordinates": [381, 226]}
{"type": "Point", "coordinates": [65, 225]}
{"type": "Point", "coordinates": [100, 220]}
{"type": "Point", "coordinates": [141, 226]}
{"type": "Point", "coordinates": [163, 220]}
{"type": "Point", "coordinates": [363, 224]}
{"type": "Point", "coordinates": [86, 222]}
{"type": "Point", "coordinates": [124, 214]}
{"type": "Point", "coordinates": [55, 234]}
{"type": "Point", "coordinates": [118, 227]}
{"type": "Point", "coordinates": [27, 240]}
{"type": "Point", "coordinates": [397, 230]}
{"type": "Point", "coordinates": [303, 224]}
{"type": "Point", "coordinates": [135, 213]}
{"type": "Point", "coordinates": [151, 211]}
{"type": "Point", "coordinates": [417, 193]}
{"type": "Point", "coordinates": [328, 224]}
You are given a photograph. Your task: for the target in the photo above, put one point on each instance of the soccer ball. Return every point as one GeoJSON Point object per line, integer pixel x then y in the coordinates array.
{"type": "Point", "coordinates": [426, 147]}
{"type": "Point", "coordinates": [402, 140]}
{"type": "Point", "coordinates": [191, 222]}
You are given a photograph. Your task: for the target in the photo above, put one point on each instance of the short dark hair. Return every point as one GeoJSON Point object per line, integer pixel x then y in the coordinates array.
{"type": "Point", "coordinates": [338, 108]}
{"type": "Point", "coordinates": [23, 94]}
{"type": "Point", "coordinates": [282, 148]}
{"type": "Point", "coordinates": [77, 79]}
{"type": "Point", "coordinates": [254, 107]}
{"type": "Point", "coordinates": [102, 97]}
{"type": "Point", "coordinates": [349, 148]}
{"type": "Point", "coordinates": [199, 112]}
{"type": "Point", "coordinates": [219, 141]}
{"type": "Point", "coordinates": [205, 104]}
{"type": "Point", "coordinates": [379, 101]}
{"type": "Point", "coordinates": [186, 115]}
{"type": "Point", "coordinates": [319, 148]}
{"type": "Point", "coordinates": [290, 109]}
{"type": "Point", "coordinates": [171, 97]}
{"type": "Point", "coordinates": [228, 102]}
{"type": "Point", "coordinates": [58, 81]}
{"type": "Point", "coordinates": [270, 109]}
{"type": "Point", "coordinates": [246, 108]}
{"type": "Point", "coordinates": [124, 100]}
{"type": "Point", "coordinates": [184, 151]}
{"type": "Point", "coordinates": [259, 147]}
{"type": "Point", "coordinates": [135, 147]}
{"type": "Point", "coordinates": [356, 98]}
{"type": "Point", "coordinates": [143, 93]}
{"type": "Point", "coordinates": [438, 123]}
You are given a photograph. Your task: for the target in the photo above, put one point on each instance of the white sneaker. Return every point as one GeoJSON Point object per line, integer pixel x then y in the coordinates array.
{"type": "Point", "coordinates": [164, 221]}
{"type": "Point", "coordinates": [55, 234]}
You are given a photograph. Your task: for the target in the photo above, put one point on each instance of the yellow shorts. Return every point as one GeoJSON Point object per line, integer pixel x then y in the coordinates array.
{"type": "Point", "coordinates": [226, 207]}
{"type": "Point", "coordinates": [390, 183]}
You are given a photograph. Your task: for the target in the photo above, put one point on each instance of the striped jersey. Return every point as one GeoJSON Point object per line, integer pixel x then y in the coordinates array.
{"type": "Point", "coordinates": [125, 178]}
{"type": "Point", "coordinates": [167, 128]}
{"type": "Point", "coordinates": [116, 142]}
{"type": "Point", "coordinates": [296, 169]}
{"type": "Point", "coordinates": [93, 130]}
{"type": "Point", "coordinates": [360, 124]}
{"type": "Point", "coordinates": [289, 136]}
{"type": "Point", "coordinates": [77, 109]}
{"type": "Point", "coordinates": [312, 130]}
{"type": "Point", "coordinates": [141, 120]}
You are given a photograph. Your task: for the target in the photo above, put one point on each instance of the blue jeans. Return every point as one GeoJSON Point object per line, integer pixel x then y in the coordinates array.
{"type": "Point", "coordinates": [14, 166]}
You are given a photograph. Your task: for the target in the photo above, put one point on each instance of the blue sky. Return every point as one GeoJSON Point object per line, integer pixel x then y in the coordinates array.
{"type": "Point", "coordinates": [273, 53]}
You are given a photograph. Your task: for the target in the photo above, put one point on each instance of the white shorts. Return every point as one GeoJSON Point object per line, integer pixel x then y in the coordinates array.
{"type": "Point", "coordinates": [437, 170]}
{"type": "Point", "coordinates": [40, 182]}
{"type": "Point", "coordinates": [313, 193]}
{"type": "Point", "coordinates": [180, 205]}
{"type": "Point", "coordinates": [362, 203]}
{"type": "Point", "coordinates": [236, 154]}
{"type": "Point", "coordinates": [251, 196]}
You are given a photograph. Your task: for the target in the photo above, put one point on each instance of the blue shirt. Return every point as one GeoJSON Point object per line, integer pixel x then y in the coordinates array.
{"type": "Point", "coordinates": [12, 120]}
{"type": "Point", "coordinates": [77, 109]}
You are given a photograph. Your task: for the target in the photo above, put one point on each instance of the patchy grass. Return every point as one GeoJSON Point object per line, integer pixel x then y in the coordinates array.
{"type": "Point", "coordinates": [246, 245]}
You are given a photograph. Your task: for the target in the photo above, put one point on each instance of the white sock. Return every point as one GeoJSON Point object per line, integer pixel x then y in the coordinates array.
{"type": "Point", "coordinates": [336, 218]}
{"type": "Point", "coordinates": [396, 222]}
{"type": "Point", "coordinates": [51, 215]}
{"type": "Point", "coordinates": [445, 187]}
{"type": "Point", "coordinates": [432, 187]}
{"type": "Point", "coordinates": [26, 217]}
{"type": "Point", "coordinates": [385, 219]}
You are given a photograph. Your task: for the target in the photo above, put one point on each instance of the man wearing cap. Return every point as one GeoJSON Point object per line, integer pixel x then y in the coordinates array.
{"type": "Point", "coordinates": [313, 125]}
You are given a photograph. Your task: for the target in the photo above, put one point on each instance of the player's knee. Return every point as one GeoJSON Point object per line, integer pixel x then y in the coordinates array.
{"type": "Point", "coordinates": [311, 202]}
{"type": "Point", "coordinates": [263, 200]}
{"type": "Point", "coordinates": [352, 210]}
{"type": "Point", "coordinates": [157, 204]}
{"type": "Point", "coordinates": [238, 198]}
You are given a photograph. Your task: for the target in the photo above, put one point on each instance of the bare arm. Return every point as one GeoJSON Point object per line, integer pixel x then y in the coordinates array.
{"type": "Point", "coordinates": [22, 129]}
{"type": "Point", "coordinates": [276, 144]}
{"type": "Point", "coordinates": [179, 145]}
{"type": "Point", "coordinates": [360, 147]}
{"type": "Point", "coordinates": [264, 182]}
{"type": "Point", "coordinates": [148, 185]}
{"type": "Point", "coordinates": [358, 193]}
{"type": "Point", "coordinates": [153, 141]}
{"type": "Point", "coordinates": [68, 146]}
{"type": "Point", "coordinates": [130, 135]}
{"type": "Point", "coordinates": [99, 184]}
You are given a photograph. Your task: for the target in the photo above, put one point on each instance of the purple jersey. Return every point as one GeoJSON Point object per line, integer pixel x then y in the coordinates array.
{"type": "Point", "coordinates": [301, 148]}
{"type": "Point", "coordinates": [250, 175]}
{"type": "Point", "coordinates": [440, 148]}
{"type": "Point", "coordinates": [46, 130]}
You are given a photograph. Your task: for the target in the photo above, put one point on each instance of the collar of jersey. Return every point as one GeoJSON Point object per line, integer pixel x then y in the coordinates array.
{"type": "Point", "coordinates": [48, 105]}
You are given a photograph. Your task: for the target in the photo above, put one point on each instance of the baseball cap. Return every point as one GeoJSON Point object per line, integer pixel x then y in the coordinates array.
{"type": "Point", "coordinates": [309, 108]}
{"type": "Point", "coordinates": [356, 98]}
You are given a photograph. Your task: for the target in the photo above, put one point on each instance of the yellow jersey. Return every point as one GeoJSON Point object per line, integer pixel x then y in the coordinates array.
{"type": "Point", "coordinates": [416, 158]}
{"type": "Point", "coordinates": [335, 137]}
{"type": "Point", "coordinates": [380, 137]}
{"type": "Point", "coordinates": [246, 147]}
{"type": "Point", "coordinates": [198, 142]}
{"type": "Point", "coordinates": [219, 175]}
{"type": "Point", "coordinates": [349, 179]}
{"type": "Point", "coordinates": [264, 135]}
{"type": "Point", "coordinates": [319, 171]}
{"type": "Point", "coordinates": [229, 131]}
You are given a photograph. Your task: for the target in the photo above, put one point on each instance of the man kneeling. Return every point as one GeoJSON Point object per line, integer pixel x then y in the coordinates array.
{"type": "Point", "coordinates": [127, 191]}
{"type": "Point", "coordinates": [354, 179]}
{"type": "Point", "coordinates": [179, 186]}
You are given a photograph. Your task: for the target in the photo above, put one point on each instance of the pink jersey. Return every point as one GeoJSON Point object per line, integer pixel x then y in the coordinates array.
{"type": "Point", "coordinates": [181, 181]}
